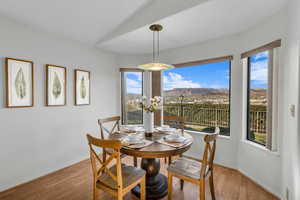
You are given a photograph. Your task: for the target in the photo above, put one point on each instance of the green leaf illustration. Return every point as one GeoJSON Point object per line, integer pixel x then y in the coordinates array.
{"type": "Point", "coordinates": [56, 89]}
{"type": "Point", "coordinates": [82, 88]}
{"type": "Point", "coordinates": [20, 84]}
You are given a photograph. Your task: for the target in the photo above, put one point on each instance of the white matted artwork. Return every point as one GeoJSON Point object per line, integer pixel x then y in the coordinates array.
{"type": "Point", "coordinates": [82, 87]}
{"type": "Point", "coordinates": [56, 85]}
{"type": "Point", "coordinates": [19, 83]}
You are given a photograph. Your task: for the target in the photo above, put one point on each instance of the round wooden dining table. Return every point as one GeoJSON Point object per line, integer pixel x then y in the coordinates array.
{"type": "Point", "coordinates": [156, 183]}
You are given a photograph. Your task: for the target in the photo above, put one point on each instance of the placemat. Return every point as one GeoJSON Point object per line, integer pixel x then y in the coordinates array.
{"type": "Point", "coordinates": [175, 145]}
{"type": "Point", "coordinates": [142, 145]}
{"type": "Point", "coordinates": [123, 130]}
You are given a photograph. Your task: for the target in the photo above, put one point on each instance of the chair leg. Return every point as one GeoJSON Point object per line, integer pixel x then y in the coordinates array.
{"type": "Point", "coordinates": [170, 160]}
{"type": "Point", "coordinates": [143, 189]}
{"type": "Point", "coordinates": [211, 186]}
{"type": "Point", "coordinates": [120, 195]}
{"type": "Point", "coordinates": [181, 184]}
{"type": "Point", "coordinates": [166, 160]}
{"type": "Point", "coordinates": [94, 192]}
{"type": "Point", "coordinates": [170, 185]}
{"type": "Point", "coordinates": [135, 161]}
{"type": "Point", "coordinates": [104, 156]}
{"type": "Point", "coordinates": [202, 189]}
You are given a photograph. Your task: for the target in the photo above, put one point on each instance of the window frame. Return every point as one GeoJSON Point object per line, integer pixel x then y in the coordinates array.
{"type": "Point", "coordinates": [272, 135]}
{"type": "Point", "coordinates": [122, 74]}
{"type": "Point", "coordinates": [248, 118]}
{"type": "Point", "coordinates": [200, 64]}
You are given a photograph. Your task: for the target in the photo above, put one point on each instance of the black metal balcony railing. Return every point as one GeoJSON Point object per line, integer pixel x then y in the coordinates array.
{"type": "Point", "coordinates": [214, 115]}
{"type": "Point", "coordinates": [204, 117]}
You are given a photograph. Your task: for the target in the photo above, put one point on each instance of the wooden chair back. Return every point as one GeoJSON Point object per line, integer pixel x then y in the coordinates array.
{"type": "Point", "coordinates": [175, 122]}
{"type": "Point", "coordinates": [116, 125]}
{"type": "Point", "coordinates": [99, 166]}
{"type": "Point", "coordinates": [209, 153]}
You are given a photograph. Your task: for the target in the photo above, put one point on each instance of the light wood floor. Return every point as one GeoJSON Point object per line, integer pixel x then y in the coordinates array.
{"type": "Point", "coordinates": [74, 183]}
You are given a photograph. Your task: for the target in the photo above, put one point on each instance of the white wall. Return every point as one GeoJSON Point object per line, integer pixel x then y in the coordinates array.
{"type": "Point", "coordinates": [259, 164]}
{"type": "Point", "coordinates": [291, 137]}
{"type": "Point", "coordinates": [39, 140]}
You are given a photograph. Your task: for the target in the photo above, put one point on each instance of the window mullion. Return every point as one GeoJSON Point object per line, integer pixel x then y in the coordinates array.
{"type": "Point", "coordinates": [270, 102]}
{"type": "Point", "coordinates": [123, 94]}
{"type": "Point", "coordinates": [275, 108]}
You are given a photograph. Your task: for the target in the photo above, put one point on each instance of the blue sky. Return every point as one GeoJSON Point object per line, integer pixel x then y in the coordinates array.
{"type": "Point", "coordinates": [214, 75]}
{"type": "Point", "coordinates": [259, 70]}
{"type": "Point", "coordinates": [134, 82]}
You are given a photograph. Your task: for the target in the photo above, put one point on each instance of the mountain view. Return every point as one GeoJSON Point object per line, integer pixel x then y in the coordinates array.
{"type": "Point", "coordinates": [195, 91]}
{"type": "Point", "coordinates": [210, 95]}
{"type": "Point", "coordinates": [206, 96]}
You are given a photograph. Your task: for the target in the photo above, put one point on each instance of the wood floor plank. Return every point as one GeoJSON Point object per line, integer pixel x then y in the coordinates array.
{"type": "Point", "coordinates": [75, 183]}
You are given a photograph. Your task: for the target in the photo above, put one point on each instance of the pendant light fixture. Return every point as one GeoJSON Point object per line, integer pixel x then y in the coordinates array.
{"type": "Point", "coordinates": [155, 65]}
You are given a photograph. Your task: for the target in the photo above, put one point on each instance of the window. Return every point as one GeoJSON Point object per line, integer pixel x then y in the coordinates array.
{"type": "Point", "coordinates": [132, 90]}
{"type": "Point", "coordinates": [258, 86]}
{"type": "Point", "coordinates": [261, 67]}
{"type": "Point", "coordinates": [200, 94]}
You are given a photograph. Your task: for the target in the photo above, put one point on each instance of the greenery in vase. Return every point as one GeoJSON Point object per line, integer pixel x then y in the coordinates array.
{"type": "Point", "coordinates": [154, 105]}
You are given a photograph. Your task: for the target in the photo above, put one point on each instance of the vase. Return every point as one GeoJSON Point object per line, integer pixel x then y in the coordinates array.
{"type": "Point", "coordinates": [149, 123]}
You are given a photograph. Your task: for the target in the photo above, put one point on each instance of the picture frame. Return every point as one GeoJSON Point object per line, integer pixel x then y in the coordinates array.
{"type": "Point", "coordinates": [56, 85]}
{"type": "Point", "coordinates": [19, 83]}
{"type": "Point", "coordinates": [82, 87]}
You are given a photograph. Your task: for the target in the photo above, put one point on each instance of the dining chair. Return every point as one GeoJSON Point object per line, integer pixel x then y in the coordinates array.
{"type": "Point", "coordinates": [174, 122]}
{"type": "Point", "coordinates": [195, 170]}
{"type": "Point", "coordinates": [115, 122]}
{"type": "Point", "coordinates": [117, 179]}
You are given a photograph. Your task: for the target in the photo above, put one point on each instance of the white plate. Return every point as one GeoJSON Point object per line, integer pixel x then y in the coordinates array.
{"type": "Point", "coordinates": [134, 128]}
{"type": "Point", "coordinates": [166, 129]}
{"type": "Point", "coordinates": [133, 139]}
{"type": "Point", "coordinates": [175, 138]}
{"type": "Point", "coordinates": [139, 129]}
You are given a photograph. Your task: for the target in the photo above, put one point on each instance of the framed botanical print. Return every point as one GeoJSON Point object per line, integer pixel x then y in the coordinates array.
{"type": "Point", "coordinates": [19, 83]}
{"type": "Point", "coordinates": [82, 87]}
{"type": "Point", "coordinates": [56, 85]}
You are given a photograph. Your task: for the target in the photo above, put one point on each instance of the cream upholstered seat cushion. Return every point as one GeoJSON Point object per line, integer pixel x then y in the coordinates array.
{"type": "Point", "coordinates": [186, 167]}
{"type": "Point", "coordinates": [130, 174]}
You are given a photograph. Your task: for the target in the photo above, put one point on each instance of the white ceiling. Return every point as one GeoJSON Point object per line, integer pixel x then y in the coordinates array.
{"type": "Point", "coordinates": [122, 25]}
{"type": "Point", "coordinates": [209, 20]}
{"type": "Point", "coordinates": [83, 20]}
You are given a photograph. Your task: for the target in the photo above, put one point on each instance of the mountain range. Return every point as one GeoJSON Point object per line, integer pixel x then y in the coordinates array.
{"type": "Point", "coordinates": [208, 91]}
{"type": "Point", "coordinates": [195, 91]}
{"type": "Point", "coordinates": [258, 92]}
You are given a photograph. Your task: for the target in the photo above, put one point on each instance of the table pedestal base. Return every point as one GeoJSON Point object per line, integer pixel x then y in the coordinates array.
{"type": "Point", "coordinates": [156, 183]}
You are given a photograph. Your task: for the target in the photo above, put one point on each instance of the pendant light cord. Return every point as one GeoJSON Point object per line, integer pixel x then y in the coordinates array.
{"type": "Point", "coordinates": [155, 45]}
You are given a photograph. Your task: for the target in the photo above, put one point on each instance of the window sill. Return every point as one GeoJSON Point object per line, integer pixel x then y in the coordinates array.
{"type": "Point", "coordinates": [260, 147]}
{"type": "Point", "coordinates": [203, 134]}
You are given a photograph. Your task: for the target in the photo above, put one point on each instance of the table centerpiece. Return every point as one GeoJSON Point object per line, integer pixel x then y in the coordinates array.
{"type": "Point", "coordinates": [149, 106]}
